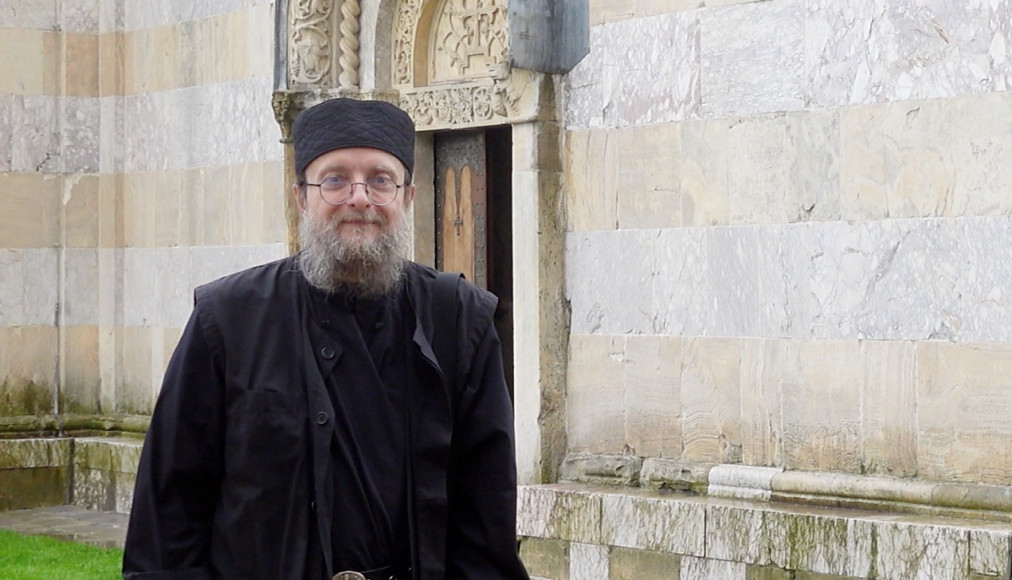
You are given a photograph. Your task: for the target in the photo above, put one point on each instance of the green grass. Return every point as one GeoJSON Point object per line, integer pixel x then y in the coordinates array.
{"type": "Point", "coordinates": [38, 558]}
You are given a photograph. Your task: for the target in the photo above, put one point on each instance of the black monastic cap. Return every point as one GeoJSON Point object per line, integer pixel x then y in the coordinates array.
{"type": "Point", "coordinates": [344, 123]}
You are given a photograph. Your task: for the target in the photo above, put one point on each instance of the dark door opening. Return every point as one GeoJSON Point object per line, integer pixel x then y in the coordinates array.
{"type": "Point", "coordinates": [474, 217]}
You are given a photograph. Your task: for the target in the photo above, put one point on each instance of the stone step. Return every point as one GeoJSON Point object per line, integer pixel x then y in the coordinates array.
{"type": "Point", "coordinates": [97, 473]}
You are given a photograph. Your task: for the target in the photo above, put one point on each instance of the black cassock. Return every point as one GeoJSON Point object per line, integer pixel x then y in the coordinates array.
{"type": "Point", "coordinates": [296, 435]}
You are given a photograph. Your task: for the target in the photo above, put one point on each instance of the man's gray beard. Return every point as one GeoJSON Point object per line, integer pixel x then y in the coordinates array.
{"type": "Point", "coordinates": [365, 269]}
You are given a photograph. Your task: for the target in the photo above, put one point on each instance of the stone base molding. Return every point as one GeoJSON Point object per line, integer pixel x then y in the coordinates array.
{"type": "Point", "coordinates": [773, 484]}
{"type": "Point", "coordinates": [579, 531]}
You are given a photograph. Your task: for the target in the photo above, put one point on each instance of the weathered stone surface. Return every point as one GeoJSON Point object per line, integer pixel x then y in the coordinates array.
{"type": "Point", "coordinates": [711, 400]}
{"type": "Point", "coordinates": [555, 512]}
{"type": "Point", "coordinates": [31, 214]}
{"type": "Point", "coordinates": [588, 562]}
{"type": "Point", "coordinates": [990, 552]}
{"type": "Point", "coordinates": [963, 411]}
{"type": "Point", "coordinates": [737, 534]}
{"type": "Point", "coordinates": [602, 469]}
{"type": "Point", "coordinates": [674, 475]}
{"type": "Point", "coordinates": [545, 558]}
{"type": "Point", "coordinates": [752, 58]}
{"type": "Point", "coordinates": [916, 552]}
{"type": "Point", "coordinates": [637, 72]}
{"type": "Point", "coordinates": [652, 396]}
{"type": "Point", "coordinates": [33, 487]}
{"type": "Point", "coordinates": [596, 422]}
{"type": "Point", "coordinates": [630, 564]}
{"type": "Point", "coordinates": [822, 544]}
{"type": "Point", "coordinates": [889, 410]}
{"type": "Point", "coordinates": [707, 569]}
{"type": "Point", "coordinates": [653, 524]}
{"type": "Point", "coordinates": [34, 453]}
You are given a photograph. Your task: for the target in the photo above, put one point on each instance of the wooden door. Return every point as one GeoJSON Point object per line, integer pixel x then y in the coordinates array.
{"type": "Point", "coordinates": [461, 232]}
{"type": "Point", "coordinates": [474, 224]}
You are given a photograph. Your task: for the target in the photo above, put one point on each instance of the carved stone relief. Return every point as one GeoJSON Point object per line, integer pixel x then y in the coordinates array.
{"type": "Point", "coordinates": [404, 41]}
{"type": "Point", "coordinates": [470, 40]}
{"type": "Point", "coordinates": [310, 50]}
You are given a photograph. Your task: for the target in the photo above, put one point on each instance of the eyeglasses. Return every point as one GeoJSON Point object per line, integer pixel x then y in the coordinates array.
{"type": "Point", "coordinates": [337, 190]}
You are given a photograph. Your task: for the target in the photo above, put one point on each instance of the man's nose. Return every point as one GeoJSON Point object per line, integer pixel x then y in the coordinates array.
{"type": "Point", "coordinates": [359, 195]}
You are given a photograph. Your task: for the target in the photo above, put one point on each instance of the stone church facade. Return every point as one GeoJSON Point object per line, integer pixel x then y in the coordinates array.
{"type": "Point", "coordinates": [753, 255]}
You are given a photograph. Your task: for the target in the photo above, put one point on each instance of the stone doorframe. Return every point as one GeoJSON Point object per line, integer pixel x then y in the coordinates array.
{"type": "Point", "coordinates": [446, 62]}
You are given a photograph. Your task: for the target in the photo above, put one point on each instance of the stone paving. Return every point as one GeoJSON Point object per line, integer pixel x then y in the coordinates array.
{"type": "Point", "coordinates": [69, 522]}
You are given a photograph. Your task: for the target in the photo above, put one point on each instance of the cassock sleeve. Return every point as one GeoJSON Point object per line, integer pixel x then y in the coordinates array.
{"type": "Point", "coordinates": [179, 474]}
{"type": "Point", "coordinates": [482, 482]}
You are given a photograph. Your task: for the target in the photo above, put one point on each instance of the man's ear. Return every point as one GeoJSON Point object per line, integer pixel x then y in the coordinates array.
{"type": "Point", "coordinates": [300, 196]}
{"type": "Point", "coordinates": [409, 194]}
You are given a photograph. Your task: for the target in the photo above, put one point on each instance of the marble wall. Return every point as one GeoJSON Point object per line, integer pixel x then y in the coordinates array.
{"type": "Point", "coordinates": [809, 205]}
{"type": "Point", "coordinates": [139, 157]}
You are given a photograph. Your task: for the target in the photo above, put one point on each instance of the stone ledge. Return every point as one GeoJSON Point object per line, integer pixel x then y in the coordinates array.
{"type": "Point", "coordinates": [93, 472]}
{"type": "Point", "coordinates": [957, 500]}
{"type": "Point", "coordinates": [736, 536]}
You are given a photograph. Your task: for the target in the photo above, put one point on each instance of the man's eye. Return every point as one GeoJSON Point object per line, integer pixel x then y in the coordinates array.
{"type": "Point", "coordinates": [381, 181]}
{"type": "Point", "coordinates": [334, 182]}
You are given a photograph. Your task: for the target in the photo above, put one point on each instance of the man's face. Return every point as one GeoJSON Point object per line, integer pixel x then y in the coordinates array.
{"type": "Point", "coordinates": [356, 247]}
{"type": "Point", "coordinates": [357, 221]}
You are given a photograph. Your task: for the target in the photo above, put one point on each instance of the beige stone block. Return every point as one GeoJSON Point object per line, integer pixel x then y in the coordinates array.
{"type": "Point", "coordinates": [135, 392]}
{"type": "Point", "coordinates": [812, 158]}
{"type": "Point", "coordinates": [757, 175]}
{"type": "Point", "coordinates": [145, 47]}
{"type": "Point", "coordinates": [138, 210]}
{"type": "Point", "coordinates": [711, 400]}
{"type": "Point", "coordinates": [259, 36]}
{"type": "Point", "coordinates": [990, 552]}
{"type": "Point", "coordinates": [81, 384]}
{"type": "Point", "coordinates": [219, 229]}
{"type": "Point", "coordinates": [648, 8]}
{"type": "Point", "coordinates": [976, 132]}
{"type": "Point", "coordinates": [82, 64]}
{"type": "Point", "coordinates": [165, 198]}
{"type": "Point", "coordinates": [649, 176]}
{"type": "Point", "coordinates": [590, 174]}
{"type": "Point", "coordinates": [26, 62]}
{"type": "Point", "coordinates": [893, 166]}
{"type": "Point", "coordinates": [889, 417]}
{"type": "Point", "coordinates": [112, 62]}
{"type": "Point", "coordinates": [191, 206]}
{"type": "Point", "coordinates": [631, 564]}
{"type": "Point", "coordinates": [27, 370]}
{"type": "Point", "coordinates": [705, 182]}
{"type": "Point", "coordinates": [545, 558]}
{"type": "Point", "coordinates": [246, 202]}
{"type": "Point", "coordinates": [110, 226]}
{"type": "Point", "coordinates": [964, 412]}
{"type": "Point", "coordinates": [595, 404]}
{"type": "Point", "coordinates": [829, 545]}
{"type": "Point", "coordinates": [81, 210]}
{"type": "Point", "coordinates": [31, 210]}
{"type": "Point", "coordinates": [821, 405]}
{"type": "Point", "coordinates": [652, 381]}
{"type": "Point", "coordinates": [170, 340]}
{"type": "Point", "coordinates": [602, 11]}
{"type": "Point", "coordinates": [276, 193]}
{"type": "Point", "coordinates": [761, 418]}
{"type": "Point", "coordinates": [232, 35]}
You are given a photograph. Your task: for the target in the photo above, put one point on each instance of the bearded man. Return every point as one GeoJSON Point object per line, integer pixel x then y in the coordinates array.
{"type": "Point", "coordinates": [308, 427]}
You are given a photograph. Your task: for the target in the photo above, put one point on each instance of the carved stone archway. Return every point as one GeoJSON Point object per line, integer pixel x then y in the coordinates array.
{"type": "Point", "coordinates": [446, 62]}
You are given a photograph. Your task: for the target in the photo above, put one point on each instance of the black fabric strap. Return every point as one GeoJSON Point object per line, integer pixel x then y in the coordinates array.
{"type": "Point", "coordinates": [444, 323]}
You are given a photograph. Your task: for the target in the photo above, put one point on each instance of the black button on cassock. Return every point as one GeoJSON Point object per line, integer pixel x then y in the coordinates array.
{"type": "Point", "coordinates": [327, 352]}
{"type": "Point", "coordinates": [322, 418]}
